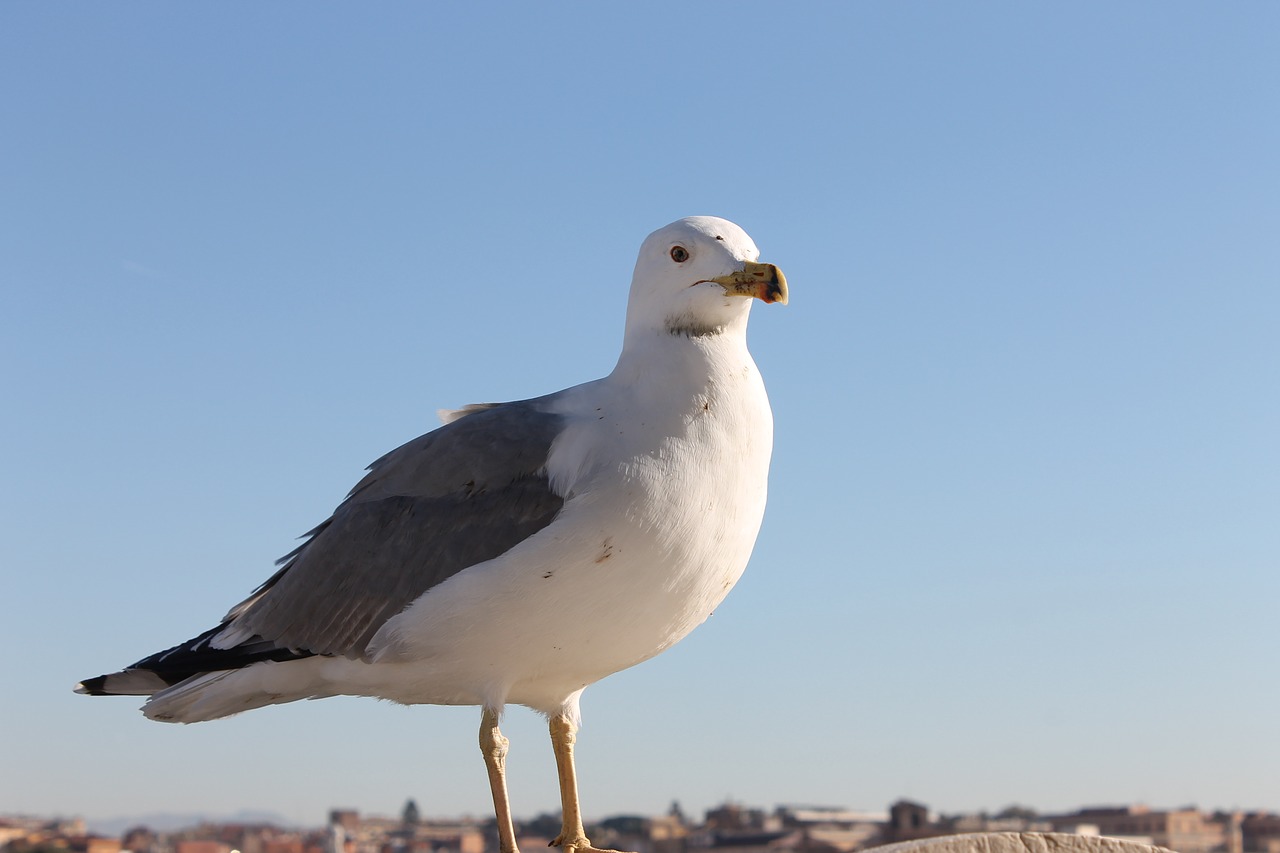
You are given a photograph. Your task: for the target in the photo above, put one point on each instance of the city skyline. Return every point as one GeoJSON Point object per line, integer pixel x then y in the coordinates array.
{"type": "Point", "coordinates": [114, 825]}
{"type": "Point", "coordinates": [727, 828]}
{"type": "Point", "coordinates": [1021, 524]}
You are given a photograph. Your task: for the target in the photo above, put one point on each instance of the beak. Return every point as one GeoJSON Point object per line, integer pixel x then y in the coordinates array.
{"type": "Point", "coordinates": [763, 281]}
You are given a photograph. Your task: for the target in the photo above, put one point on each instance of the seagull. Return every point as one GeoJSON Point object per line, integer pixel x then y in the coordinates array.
{"type": "Point", "coordinates": [523, 550]}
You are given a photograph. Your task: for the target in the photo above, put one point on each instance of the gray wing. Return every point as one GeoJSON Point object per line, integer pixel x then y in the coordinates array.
{"type": "Point", "coordinates": [455, 497]}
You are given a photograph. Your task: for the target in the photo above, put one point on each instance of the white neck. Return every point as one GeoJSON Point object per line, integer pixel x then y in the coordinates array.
{"type": "Point", "coordinates": [657, 355]}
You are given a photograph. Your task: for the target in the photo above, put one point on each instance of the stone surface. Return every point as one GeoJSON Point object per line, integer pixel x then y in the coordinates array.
{"type": "Point", "coordinates": [1019, 842]}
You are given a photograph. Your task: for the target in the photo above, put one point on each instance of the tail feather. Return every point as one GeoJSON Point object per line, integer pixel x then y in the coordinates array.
{"type": "Point", "coordinates": [186, 663]}
{"type": "Point", "coordinates": [130, 682]}
{"type": "Point", "coordinates": [213, 695]}
{"type": "Point", "coordinates": [179, 704]}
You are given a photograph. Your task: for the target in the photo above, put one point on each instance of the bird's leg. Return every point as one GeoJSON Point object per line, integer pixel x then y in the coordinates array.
{"type": "Point", "coordinates": [572, 837]}
{"type": "Point", "coordinates": [494, 747]}
{"type": "Point", "coordinates": [572, 834]}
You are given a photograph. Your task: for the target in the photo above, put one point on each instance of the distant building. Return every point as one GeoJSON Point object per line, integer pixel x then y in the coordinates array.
{"type": "Point", "coordinates": [832, 817]}
{"type": "Point", "coordinates": [961, 824]}
{"type": "Point", "coordinates": [10, 831]}
{"type": "Point", "coordinates": [1186, 830]}
{"type": "Point", "coordinates": [348, 819]}
{"type": "Point", "coordinates": [833, 829]}
{"type": "Point", "coordinates": [734, 817]}
{"type": "Point", "coordinates": [93, 844]}
{"type": "Point", "coordinates": [202, 847]}
{"type": "Point", "coordinates": [669, 833]}
{"type": "Point", "coordinates": [139, 839]}
{"type": "Point", "coordinates": [1260, 832]}
{"type": "Point", "coordinates": [909, 821]}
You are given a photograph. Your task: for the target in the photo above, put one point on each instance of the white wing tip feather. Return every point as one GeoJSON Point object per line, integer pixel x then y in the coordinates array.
{"type": "Point", "coordinates": [190, 701]}
{"type": "Point", "coordinates": [214, 695]}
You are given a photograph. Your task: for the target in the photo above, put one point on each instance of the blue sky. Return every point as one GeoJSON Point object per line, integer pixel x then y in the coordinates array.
{"type": "Point", "coordinates": [1022, 542]}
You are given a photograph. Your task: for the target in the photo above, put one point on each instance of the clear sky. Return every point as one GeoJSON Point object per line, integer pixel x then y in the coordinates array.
{"type": "Point", "coordinates": [1023, 541]}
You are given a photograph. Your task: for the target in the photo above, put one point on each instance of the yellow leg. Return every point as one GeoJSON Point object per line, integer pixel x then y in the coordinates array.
{"type": "Point", "coordinates": [494, 746]}
{"type": "Point", "coordinates": [572, 837]}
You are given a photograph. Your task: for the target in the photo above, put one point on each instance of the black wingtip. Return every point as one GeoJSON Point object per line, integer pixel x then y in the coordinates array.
{"type": "Point", "coordinates": [93, 686]}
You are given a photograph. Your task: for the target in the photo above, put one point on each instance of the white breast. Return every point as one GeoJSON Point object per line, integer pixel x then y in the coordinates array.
{"type": "Point", "coordinates": [648, 544]}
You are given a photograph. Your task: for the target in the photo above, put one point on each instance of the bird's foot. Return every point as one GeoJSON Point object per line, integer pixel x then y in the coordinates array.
{"type": "Point", "coordinates": [578, 844]}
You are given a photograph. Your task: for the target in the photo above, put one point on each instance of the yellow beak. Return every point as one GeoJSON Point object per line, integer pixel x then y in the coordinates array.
{"type": "Point", "coordinates": [763, 281]}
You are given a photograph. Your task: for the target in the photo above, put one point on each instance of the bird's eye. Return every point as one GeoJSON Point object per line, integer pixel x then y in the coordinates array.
{"type": "Point", "coordinates": [679, 254]}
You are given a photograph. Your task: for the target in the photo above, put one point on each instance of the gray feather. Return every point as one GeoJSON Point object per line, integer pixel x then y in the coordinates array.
{"type": "Point", "coordinates": [463, 494]}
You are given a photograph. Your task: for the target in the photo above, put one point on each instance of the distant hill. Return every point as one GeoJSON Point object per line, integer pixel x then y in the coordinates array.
{"type": "Point", "coordinates": [169, 821]}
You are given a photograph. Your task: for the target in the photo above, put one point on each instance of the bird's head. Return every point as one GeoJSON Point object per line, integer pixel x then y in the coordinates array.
{"type": "Point", "coordinates": [698, 276]}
